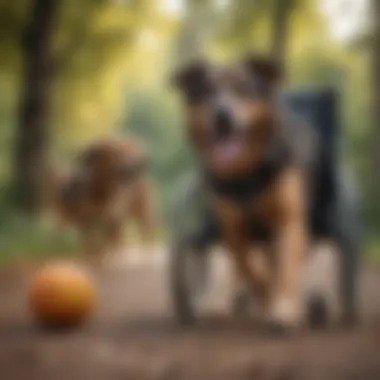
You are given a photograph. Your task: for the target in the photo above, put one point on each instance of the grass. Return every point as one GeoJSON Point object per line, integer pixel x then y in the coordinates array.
{"type": "Point", "coordinates": [24, 239]}
{"type": "Point", "coordinates": [373, 250]}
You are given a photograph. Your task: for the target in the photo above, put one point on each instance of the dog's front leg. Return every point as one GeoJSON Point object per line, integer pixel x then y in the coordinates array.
{"type": "Point", "coordinates": [92, 247]}
{"type": "Point", "coordinates": [114, 240]}
{"type": "Point", "coordinates": [145, 212]}
{"type": "Point", "coordinates": [250, 276]}
{"type": "Point", "coordinates": [291, 248]}
{"type": "Point", "coordinates": [286, 308]}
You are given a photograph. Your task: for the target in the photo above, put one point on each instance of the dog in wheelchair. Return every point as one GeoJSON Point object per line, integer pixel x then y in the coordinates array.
{"type": "Point", "coordinates": [108, 185]}
{"type": "Point", "coordinates": [266, 187]}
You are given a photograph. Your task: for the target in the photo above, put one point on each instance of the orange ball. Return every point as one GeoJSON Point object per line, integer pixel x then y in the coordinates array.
{"type": "Point", "coordinates": [62, 295]}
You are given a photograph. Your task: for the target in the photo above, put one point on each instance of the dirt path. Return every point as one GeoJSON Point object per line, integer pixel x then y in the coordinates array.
{"type": "Point", "coordinates": [132, 336]}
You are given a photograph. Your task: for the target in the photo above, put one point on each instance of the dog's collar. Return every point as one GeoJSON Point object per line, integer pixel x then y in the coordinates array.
{"type": "Point", "coordinates": [252, 184]}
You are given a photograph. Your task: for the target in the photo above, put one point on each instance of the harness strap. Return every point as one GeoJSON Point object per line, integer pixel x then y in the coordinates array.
{"type": "Point", "coordinates": [243, 189]}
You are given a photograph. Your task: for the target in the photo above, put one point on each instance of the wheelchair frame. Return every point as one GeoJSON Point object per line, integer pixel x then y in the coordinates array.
{"type": "Point", "coordinates": [191, 241]}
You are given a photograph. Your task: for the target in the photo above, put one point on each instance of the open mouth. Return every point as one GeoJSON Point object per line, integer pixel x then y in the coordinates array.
{"type": "Point", "coordinates": [227, 151]}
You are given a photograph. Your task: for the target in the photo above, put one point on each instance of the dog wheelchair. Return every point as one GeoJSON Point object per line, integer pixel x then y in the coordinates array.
{"type": "Point", "coordinates": [336, 214]}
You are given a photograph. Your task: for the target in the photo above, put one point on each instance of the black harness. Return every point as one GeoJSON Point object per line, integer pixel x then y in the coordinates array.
{"type": "Point", "coordinates": [243, 189]}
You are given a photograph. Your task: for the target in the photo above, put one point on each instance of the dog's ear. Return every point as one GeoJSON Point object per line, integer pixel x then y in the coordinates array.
{"type": "Point", "coordinates": [266, 68]}
{"type": "Point", "coordinates": [193, 80]}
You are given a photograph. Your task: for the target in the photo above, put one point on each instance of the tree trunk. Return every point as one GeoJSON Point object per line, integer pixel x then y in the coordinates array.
{"type": "Point", "coordinates": [193, 39]}
{"type": "Point", "coordinates": [32, 135]}
{"type": "Point", "coordinates": [375, 77]}
{"type": "Point", "coordinates": [281, 13]}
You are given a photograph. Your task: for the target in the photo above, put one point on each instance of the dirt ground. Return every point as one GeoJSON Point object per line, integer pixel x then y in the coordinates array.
{"type": "Point", "coordinates": [133, 336]}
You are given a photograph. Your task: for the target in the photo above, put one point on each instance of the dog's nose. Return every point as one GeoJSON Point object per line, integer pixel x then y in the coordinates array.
{"type": "Point", "coordinates": [223, 123]}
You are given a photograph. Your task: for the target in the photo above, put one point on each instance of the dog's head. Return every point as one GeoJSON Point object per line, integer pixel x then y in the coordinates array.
{"type": "Point", "coordinates": [230, 111]}
{"type": "Point", "coordinates": [112, 163]}
{"type": "Point", "coordinates": [101, 170]}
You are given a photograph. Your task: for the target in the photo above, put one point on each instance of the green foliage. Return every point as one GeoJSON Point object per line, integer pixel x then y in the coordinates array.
{"type": "Point", "coordinates": [112, 63]}
{"type": "Point", "coordinates": [246, 26]}
{"type": "Point", "coordinates": [22, 238]}
{"type": "Point", "coordinates": [94, 40]}
{"type": "Point", "coordinates": [155, 119]}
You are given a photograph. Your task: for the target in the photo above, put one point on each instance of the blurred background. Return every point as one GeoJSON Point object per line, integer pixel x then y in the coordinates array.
{"type": "Point", "coordinates": [72, 72]}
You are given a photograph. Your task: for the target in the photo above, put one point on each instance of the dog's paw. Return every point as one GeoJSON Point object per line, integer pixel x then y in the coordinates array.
{"type": "Point", "coordinates": [284, 316]}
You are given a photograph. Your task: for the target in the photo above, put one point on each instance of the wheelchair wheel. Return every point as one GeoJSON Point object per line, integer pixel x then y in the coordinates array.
{"type": "Point", "coordinates": [348, 238]}
{"type": "Point", "coordinates": [189, 279]}
{"type": "Point", "coordinates": [346, 235]}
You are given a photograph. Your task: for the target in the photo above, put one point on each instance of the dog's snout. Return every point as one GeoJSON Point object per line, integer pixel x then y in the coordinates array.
{"type": "Point", "coordinates": [223, 123]}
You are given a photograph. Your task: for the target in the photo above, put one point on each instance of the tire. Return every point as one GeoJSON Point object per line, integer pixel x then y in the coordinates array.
{"type": "Point", "coordinates": [188, 265]}
{"type": "Point", "coordinates": [348, 239]}
{"type": "Point", "coordinates": [189, 272]}
{"type": "Point", "coordinates": [345, 233]}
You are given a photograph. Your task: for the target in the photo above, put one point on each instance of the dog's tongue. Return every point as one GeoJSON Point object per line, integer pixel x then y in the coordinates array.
{"type": "Point", "coordinates": [227, 151]}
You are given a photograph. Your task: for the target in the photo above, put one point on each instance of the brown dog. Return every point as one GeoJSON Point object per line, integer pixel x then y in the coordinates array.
{"type": "Point", "coordinates": [108, 186]}
{"type": "Point", "coordinates": [256, 162]}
